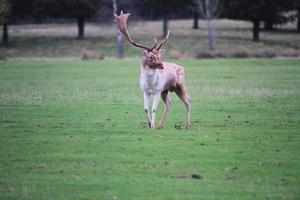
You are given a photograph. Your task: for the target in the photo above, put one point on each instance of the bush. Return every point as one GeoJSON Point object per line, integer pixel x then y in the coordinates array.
{"type": "Point", "coordinates": [219, 54]}
{"type": "Point", "coordinates": [290, 54]}
{"type": "Point", "coordinates": [240, 54]}
{"type": "Point", "coordinates": [88, 54]}
{"type": "Point", "coordinates": [176, 54]}
{"type": "Point", "coordinates": [204, 54]}
{"type": "Point", "coordinates": [245, 54]}
{"type": "Point", "coordinates": [265, 54]}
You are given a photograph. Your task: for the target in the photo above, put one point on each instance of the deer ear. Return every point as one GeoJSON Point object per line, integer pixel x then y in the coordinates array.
{"type": "Point", "coordinates": [145, 53]}
{"type": "Point", "coordinates": [162, 52]}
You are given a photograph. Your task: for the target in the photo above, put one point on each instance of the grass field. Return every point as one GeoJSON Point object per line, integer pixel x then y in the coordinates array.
{"type": "Point", "coordinates": [73, 129]}
{"type": "Point", "coordinates": [59, 40]}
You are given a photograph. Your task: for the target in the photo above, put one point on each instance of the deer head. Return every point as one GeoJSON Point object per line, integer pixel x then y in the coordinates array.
{"type": "Point", "coordinates": [151, 56]}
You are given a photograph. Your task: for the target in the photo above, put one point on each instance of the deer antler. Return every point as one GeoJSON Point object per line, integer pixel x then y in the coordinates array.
{"type": "Point", "coordinates": [162, 41]}
{"type": "Point", "coordinates": [121, 21]}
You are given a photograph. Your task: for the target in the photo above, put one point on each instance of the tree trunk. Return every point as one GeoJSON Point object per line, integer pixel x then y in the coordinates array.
{"type": "Point", "coordinates": [80, 23]}
{"type": "Point", "coordinates": [298, 23]}
{"type": "Point", "coordinates": [211, 37]}
{"type": "Point", "coordinates": [120, 44]}
{"type": "Point", "coordinates": [165, 24]}
{"type": "Point", "coordinates": [120, 38]}
{"type": "Point", "coordinates": [256, 30]}
{"type": "Point", "coordinates": [196, 25]}
{"type": "Point", "coordinates": [5, 34]}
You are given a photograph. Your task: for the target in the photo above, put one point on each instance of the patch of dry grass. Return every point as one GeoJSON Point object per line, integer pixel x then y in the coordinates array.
{"type": "Point", "coordinates": [232, 37]}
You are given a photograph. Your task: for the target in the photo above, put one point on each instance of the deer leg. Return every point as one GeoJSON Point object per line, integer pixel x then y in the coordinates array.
{"type": "Point", "coordinates": [164, 97]}
{"type": "Point", "coordinates": [182, 94]}
{"type": "Point", "coordinates": [154, 109]}
{"type": "Point", "coordinates": [146, 107]}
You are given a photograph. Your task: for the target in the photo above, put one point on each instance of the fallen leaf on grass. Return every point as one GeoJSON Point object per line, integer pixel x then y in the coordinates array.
{"type": "Point", "coordinates": [41, 166]}
{"type": "Point", "coordinates": [230, 169]}
{"type": "Point", "coordinates": [183, 176]}
{"type": "Point", "coordinates": [277, 163]}
{"type": "Point", "coordinates": [227, 169]}
{"type": "Point", "coordinates": [177, 126]}
{"type": "Point", "coordinates": [144, 125]}
{"type": "Point", "coordinates": [75, 176]}
{"type": "Point", "coordinates": [11, 189]}
{"type": "Point", "coordinates": [232, 178]}
{"type": "Point", "coordinates": [197, 176]}
{"type": "Point", "coordinates": [283, 179]}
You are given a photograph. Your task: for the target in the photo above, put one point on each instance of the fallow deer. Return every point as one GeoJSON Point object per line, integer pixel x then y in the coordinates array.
{"type": "Point", "coordinates": [157, 77]}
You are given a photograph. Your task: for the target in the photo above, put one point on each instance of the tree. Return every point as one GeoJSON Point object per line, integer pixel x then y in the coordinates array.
{"type": "Point", "coordinates": [5, 9]}
{"type": "Point", "coordinates": [280, 14]}
{"type": "Point", "coordinates": [11, 9]}
{"type": "Point", "coordinates": [195, 19]}
{"type": "Point", "coordinates": [257, 11]}
{"type": "Point", "coordinates": [163, 8]}
{"type": "Point", "coordinates": [78, 9]}
{"type": "Point", "coordinates": [208, 10]}
{"type": "Point", "coordinates": [195, 10]}
{"type": "Point", "coordinates": [298, 16]}
{"type": "Point", "coordinates": [120, 38]}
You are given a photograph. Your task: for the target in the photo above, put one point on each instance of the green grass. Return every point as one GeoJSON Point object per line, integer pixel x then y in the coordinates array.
{"type": "Point", "coordinates": [73, 129]}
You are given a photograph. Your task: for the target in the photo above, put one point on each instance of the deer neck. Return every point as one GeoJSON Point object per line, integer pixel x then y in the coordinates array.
{"type": "Point", "coordinates": [151, 79]}
{"type": "Point", "coordinates": [150, 75]}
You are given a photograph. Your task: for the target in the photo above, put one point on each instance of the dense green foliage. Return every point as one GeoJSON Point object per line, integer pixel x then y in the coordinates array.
{"type": "Point", "coordinates": [78, 9]}
{"type": "Point", "coordinates": [268, 11]}
{"type": "Point", "coordinates": [42, 10]}
{"type": "Point", "coordinates": [74, 129]}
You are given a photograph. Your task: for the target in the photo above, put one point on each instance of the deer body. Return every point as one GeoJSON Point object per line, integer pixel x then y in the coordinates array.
{"type": "Point", "coordinates": [157, 78]}
{"type": "Point", "coordinates": [153, 81]}
{"type": "Point", "coordinates": [158, 82]}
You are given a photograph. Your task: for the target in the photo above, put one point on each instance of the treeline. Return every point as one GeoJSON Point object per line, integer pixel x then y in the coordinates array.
{"type": "Point", "coordinates": [266, 12]}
